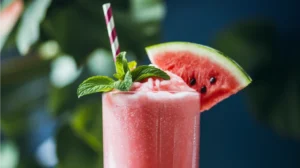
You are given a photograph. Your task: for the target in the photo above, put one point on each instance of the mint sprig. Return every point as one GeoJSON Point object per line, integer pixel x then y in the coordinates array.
{"type": "Point", "coordinates": [126, 74]}
{"type": "Point", "coordinates": [124, 85]}
{"type": "Point", "coordinates": [121, 66]}
{"type": "Point", "coordinates": [132, 65]}
{"type": "Point", "coordinates": [95, 84]}
{"type": "Point", "coordinates": [144, 71]}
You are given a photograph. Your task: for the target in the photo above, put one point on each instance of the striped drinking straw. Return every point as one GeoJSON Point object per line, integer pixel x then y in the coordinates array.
{"type": "Point", "coordinates": [112, 33]}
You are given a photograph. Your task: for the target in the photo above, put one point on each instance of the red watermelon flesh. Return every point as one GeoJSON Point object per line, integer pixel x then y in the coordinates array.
{"type": "Point", "coordinates": [204, 69]}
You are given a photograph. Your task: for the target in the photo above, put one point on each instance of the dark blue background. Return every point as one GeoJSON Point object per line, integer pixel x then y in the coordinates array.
{"type": "Point", "coordinates": [230, 135]}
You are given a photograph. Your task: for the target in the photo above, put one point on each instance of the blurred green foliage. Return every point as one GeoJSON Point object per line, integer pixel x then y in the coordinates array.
{"type": "Point", "coordinates": [275, 91]}
{"type": "Point", "coordinates": [60, 43]}
{"type": "Point", "coordinates": [9, 155]}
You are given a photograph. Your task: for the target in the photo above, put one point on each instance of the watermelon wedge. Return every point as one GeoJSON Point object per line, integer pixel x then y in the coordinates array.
{"type": "Point", "coordinates": [203, 68]}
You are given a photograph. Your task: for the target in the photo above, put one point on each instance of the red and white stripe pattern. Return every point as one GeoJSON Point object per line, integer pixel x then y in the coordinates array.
{"type": "Point", "coordinates": [112, 33]}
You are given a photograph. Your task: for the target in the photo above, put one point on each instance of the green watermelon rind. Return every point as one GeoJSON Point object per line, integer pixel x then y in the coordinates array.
{"type": "Point", "coordinates": [201, 50]}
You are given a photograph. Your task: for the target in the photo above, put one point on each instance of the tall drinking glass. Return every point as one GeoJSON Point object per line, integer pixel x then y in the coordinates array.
{"type": "Point", "coordinates": [151, 129]}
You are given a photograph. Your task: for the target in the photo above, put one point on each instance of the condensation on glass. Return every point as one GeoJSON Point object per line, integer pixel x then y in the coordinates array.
{"type": "Point", "coordinates": [151, 129]}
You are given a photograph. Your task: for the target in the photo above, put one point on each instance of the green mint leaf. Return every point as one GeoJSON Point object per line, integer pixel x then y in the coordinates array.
{"type": "Point", "coordinates": [121, 66]}
{"type": "Point", "coordinates": [118, 76]}
{"type": "Point", "coordinates": [95, 84]}
{"type": "Point", "coordinates": [132, 65]}
{"type": "Point", "coordinates": [145, 71]}
{"type": "Point", "coordinates": [124, 85]}
{"type": "Point", "coordinates": [125, 64]}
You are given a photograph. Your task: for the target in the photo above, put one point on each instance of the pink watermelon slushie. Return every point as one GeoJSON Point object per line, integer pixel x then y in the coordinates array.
{"type": "Point", "coordinates": [155, 125]}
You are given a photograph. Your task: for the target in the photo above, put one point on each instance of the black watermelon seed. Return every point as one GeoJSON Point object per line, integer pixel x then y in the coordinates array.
{"type": "Point", "coordinates": [212, 80]}
{"type": "Point", "coordinates": [192, 81]}
{"type": "Point", "coordinates": [203, 89]}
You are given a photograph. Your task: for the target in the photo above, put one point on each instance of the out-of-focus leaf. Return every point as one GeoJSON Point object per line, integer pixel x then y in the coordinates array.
{"type": "Point", "coordinates": [80, 28]}
{"type": "Point", "coordinates": [17, 103]}
{"type": "Point", "coordinates": [147, 10]}
{"type": "Point", "coordinates": [77, 31]}
{"type": "Point", "coordinates": [64, 99]}
{"type": "Point", "coordinates": [21, 69]}
{"type": "Point", "coordinates": [87, 124]}
{"type": "Point", "coordinates": [8, 18]}
{"type": "Point", "coordinates": [73, 152]}
{"type": "Point", "coordinates": [60, 99]}
{"type": "Point", "coordinates": [64, 71]}
{"type": "Point", "coordinates": [28, 162]}
{"type": "Point", "coordinates": [134, 33]}
{"type": "Point", "coordinates": [249, 43]}
{"type": "Point", "coordinates": [101, 62]}
{"type": "Point", "coordinates": [9, 155]}
{"type": "Point", "coordinates": [5, 3]}
{"type": "Point", "coordinates": [275, 91]}
{"type": "Point", "coordinates": [29, 30]}
{"type": "Point", "coordinates": [47, 146]}
{"type": "Point", "coordinates": [275, 98]}
{"type": "Point", "coordinates": [118, 5]}
{"type": "Point", "coordinates": [49, 50]}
